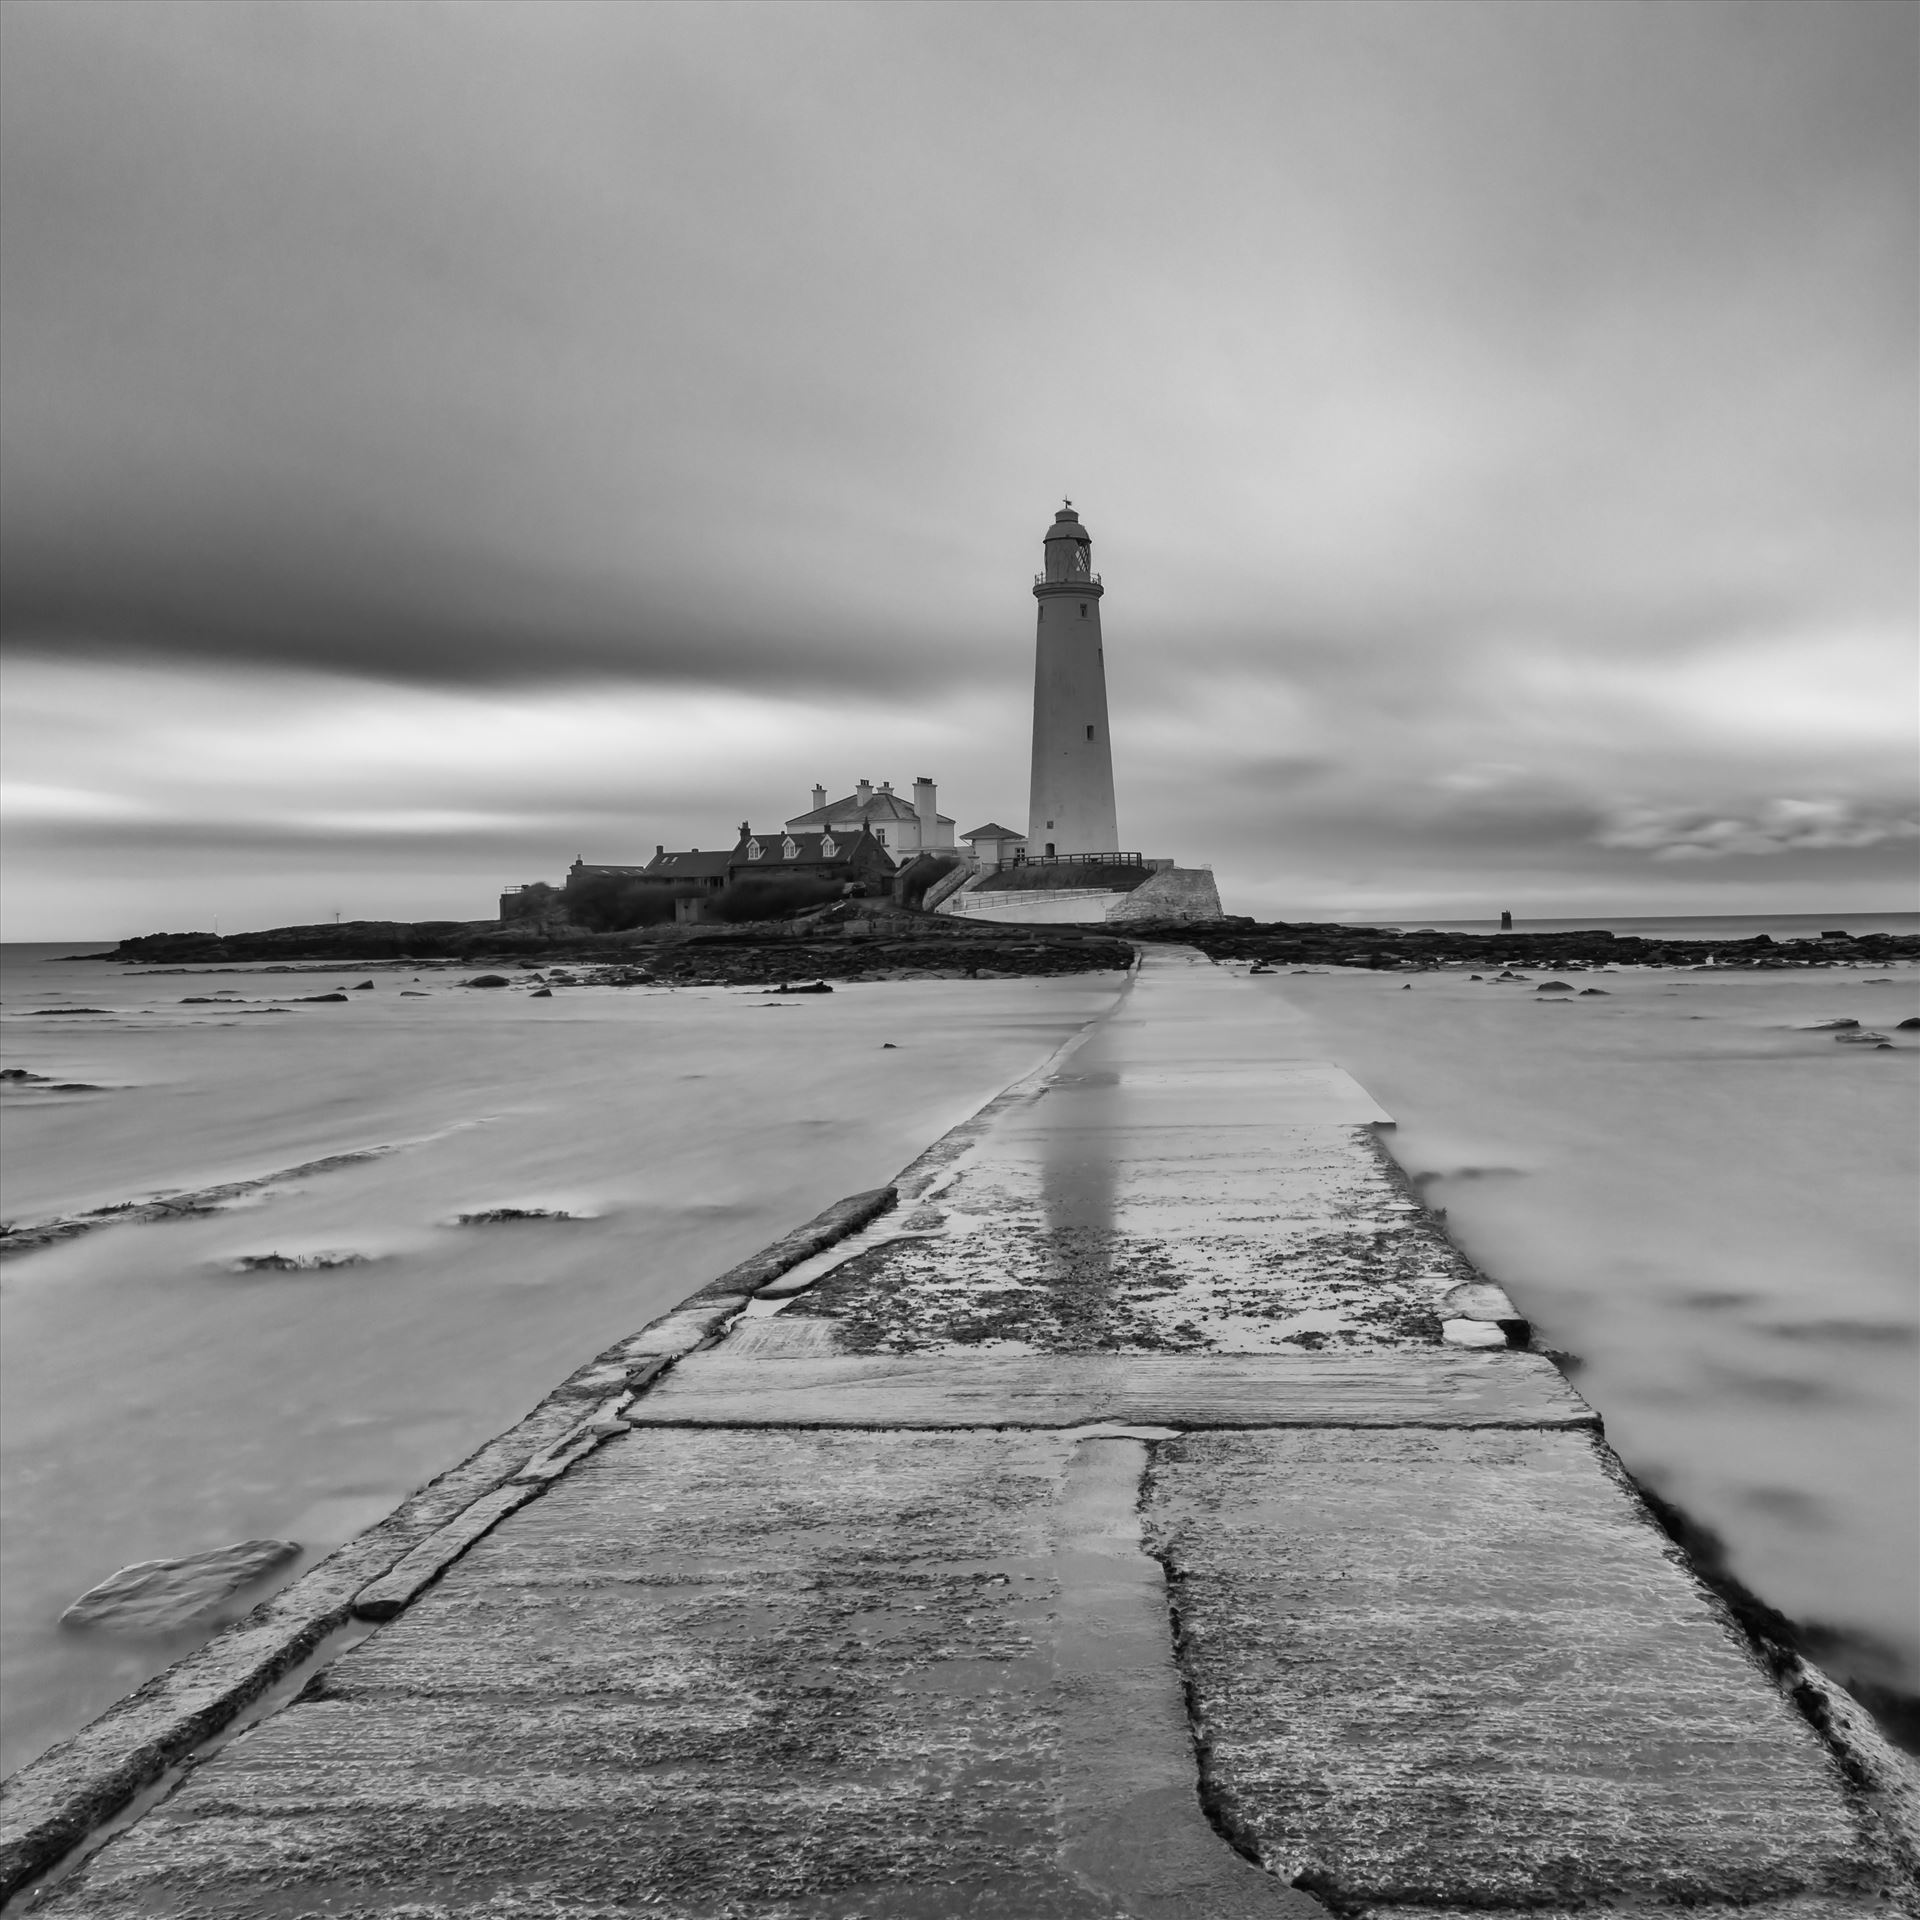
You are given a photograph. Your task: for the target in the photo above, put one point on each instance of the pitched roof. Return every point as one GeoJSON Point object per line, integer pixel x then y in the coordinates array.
{"type": "Point", "coordinates": [992, 832]}
{"type": "Point", "coordinates": [809, 849]}
{"type": "Point", "coordinates": [687, 866]}
{"type": "Point", "coordinates": [882, 806]}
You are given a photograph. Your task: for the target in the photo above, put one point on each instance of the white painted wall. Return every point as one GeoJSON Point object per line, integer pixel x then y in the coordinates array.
{"type": "Point", "coordinates": [1036, 906]}
{"type": "Point", "coordinates": [1070, 801]}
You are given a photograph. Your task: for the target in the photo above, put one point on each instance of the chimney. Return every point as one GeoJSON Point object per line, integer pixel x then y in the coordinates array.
{"type": "Point", "coordinates": [819, 797]}
{"type": "Point", "coordinates": [863, 793]}
{"type": "Point", "coordinates": [658, 851]}
{"type": "Point", "coordinates": [923, 805]}
{"type": "Point", "coordinates": [746, 832]}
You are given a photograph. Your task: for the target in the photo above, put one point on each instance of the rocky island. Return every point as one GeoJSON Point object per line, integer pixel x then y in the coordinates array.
{"type": "Point", "coordinates": [860, 939]}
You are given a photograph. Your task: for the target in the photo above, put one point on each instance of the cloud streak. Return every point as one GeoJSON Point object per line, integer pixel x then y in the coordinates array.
{"type": "Point", "coordinates": [1494, 422]}
{"type": "Point", "coordinates": [1776, 826]}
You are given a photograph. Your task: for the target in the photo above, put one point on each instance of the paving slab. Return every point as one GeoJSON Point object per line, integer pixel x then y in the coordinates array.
{"type": "Point", "coordinates": [1464, 1671]}
{"type": "Point", "coordinates": [717, 1674]}
{"type": "Point", "coordinates": [761, 1388]}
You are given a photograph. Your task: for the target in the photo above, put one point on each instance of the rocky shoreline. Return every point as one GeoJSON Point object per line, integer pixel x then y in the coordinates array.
{"type": "Point", "coordinates": [1387, 948]}
{"type": "Point", "coordinates": [892, 943]}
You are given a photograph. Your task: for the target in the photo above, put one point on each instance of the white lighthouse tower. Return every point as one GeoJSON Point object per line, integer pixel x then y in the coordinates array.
{"type": "Point", "coordinates": [1071, 802]}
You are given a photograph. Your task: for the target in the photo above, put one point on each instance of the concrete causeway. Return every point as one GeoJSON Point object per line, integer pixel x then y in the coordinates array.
{"type": "Point", "coordinates": [1105, 1529]}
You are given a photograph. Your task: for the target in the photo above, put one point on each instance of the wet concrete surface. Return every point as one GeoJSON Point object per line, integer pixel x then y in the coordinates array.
{"type": "Point", "coordinates": [1445, 1669]}
{"type": "Point", "coordinates": [766, 1387]}
{"type": "Point", "coordinates": [846, 1674]}
{"type": "Point", "coordinates": [1106, 1531]}
{"type": "Point", "coordinates": [1191, 1180]}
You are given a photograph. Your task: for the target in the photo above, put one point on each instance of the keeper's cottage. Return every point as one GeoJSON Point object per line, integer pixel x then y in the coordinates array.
{"type": "Point", "coordinates": [902, 827]}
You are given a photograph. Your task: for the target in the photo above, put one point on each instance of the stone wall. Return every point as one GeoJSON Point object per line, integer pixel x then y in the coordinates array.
{"type": "Point", "coordinates": [1178, 894]}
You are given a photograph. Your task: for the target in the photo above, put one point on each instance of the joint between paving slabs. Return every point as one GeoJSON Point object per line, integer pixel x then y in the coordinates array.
{"type": "Point", "coordinates": [1206, 1788]}
{"type": "Point", "coordinates": [398, 1588]}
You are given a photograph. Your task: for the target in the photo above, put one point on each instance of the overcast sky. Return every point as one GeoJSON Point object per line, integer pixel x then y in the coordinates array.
{"type": "Point", "coordinates": [441, 439]}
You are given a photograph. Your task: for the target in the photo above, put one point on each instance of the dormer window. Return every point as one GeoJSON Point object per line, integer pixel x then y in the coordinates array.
{"type": "Point", "coordinates": [828, 846]}
{"type": "Point", "coordinates": [753, 849]}
{"type": "Point", "coordinates": [788, 851]}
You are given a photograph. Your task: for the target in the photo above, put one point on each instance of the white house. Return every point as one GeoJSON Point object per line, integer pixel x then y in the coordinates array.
{"type": "Point", "coordinates": [903, 829]}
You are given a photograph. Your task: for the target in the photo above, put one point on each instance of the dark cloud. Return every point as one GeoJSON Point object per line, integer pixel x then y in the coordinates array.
{"type": "Point", "coordinates": [1448, 384]}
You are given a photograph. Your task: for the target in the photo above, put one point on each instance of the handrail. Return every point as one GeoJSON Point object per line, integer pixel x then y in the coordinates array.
{"type": "Point", "coordinates": [1079, 860]}
{"type": "Point", "coordinates": [1085, 580]}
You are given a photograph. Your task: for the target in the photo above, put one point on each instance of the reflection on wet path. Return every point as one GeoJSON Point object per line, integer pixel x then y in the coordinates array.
{"type": "Point", "coordinates": [1182, 1182]}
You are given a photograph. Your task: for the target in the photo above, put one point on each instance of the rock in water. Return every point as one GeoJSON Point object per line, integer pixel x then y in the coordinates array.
{"type": "Point", "coordinates": [489, 980]}
{"type": "Point", "coordinates": [312, 998]}
{"type": "Point", "coordinates": [1907, 1026]}
{"type": "Point", "coordinates": [1471, 1333]}
{"type": "Point", "coordinates": [365, 986]}
{"type": "Point", "coordinates": [541, 993]}
{"type": "Point", "coordinates": [1481, 1300]}
{"type": "Point", "coordinates": [1829, 1026]}
{"type": "Point", "coordinates": [1554, 986]}
{"type": "Point", "coordinates": [320, 1262]}
{"type": "Point", "coordinates": [158, 1596]}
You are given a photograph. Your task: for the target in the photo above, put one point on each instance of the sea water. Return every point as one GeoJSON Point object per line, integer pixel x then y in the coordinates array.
{"type": "Point", "coordinates": [157, 1399]}
{"type": "Point", "coordinates": [1708, 1202]}
{"type": "Point", "coordinates": [1713, 926]}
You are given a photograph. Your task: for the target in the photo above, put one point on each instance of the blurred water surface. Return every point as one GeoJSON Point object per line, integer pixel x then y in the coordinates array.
{"type": "Point", "coordinates": [155, 1402]}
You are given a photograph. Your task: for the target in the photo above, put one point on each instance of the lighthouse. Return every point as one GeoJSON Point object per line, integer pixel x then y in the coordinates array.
{"type": "Point", "coordinates": [1071, 800]}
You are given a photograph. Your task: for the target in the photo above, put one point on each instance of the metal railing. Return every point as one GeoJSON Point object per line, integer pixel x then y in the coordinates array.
{"type": "Point", "coordinates": [1077, 580]}
{"type": "Point", "coordinates": [1079, 860]}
